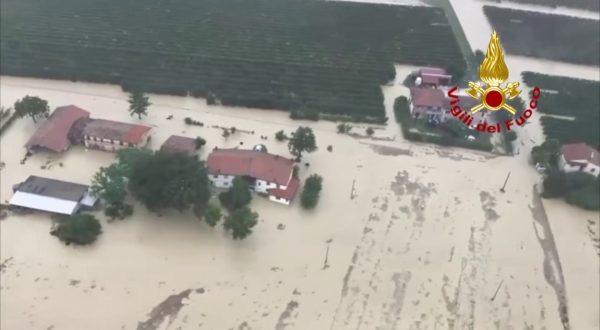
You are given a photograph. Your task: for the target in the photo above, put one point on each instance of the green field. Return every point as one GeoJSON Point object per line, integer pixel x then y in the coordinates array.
{"type": "Point", "coordinates": [552, 37]}
{"type": "Point", "coordinates": [569, 97]}
{"type": "Point", "coordinates": [274, 54]}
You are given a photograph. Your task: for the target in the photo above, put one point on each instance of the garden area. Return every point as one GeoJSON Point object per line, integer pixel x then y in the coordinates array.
{"type": "Point", "coordinates": [308, 56]}
{"type": "Point", "coordinates": [576, 99]}
{"type": "Point", "coordinates": [546, 36]}
{"type": "Point", "coordinates": [449, 133]}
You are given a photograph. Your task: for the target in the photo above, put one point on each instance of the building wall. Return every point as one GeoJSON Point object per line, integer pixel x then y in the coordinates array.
{"type": "Point", "coordinates": [279, 200]}
{"type": "Point", "coordinates": [112, 145]}
{"type": "Point", "coordinates": [589, 168]}
{"type": "Point", "coordinates": [221, 181]}
{"type": "Point", "coordinates": [262, 186]}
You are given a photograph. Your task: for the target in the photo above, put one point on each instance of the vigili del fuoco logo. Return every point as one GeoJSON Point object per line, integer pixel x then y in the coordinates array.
{"type": "Point", "coordinates": [493, 72]}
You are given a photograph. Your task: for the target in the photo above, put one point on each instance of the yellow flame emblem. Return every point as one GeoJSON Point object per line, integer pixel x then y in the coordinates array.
{"type": "Point", "coordinates": [494, 72]}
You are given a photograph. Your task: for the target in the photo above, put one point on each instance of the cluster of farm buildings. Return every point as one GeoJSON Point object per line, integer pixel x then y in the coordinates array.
{"type": "Point", "coordinates": [267, 174]}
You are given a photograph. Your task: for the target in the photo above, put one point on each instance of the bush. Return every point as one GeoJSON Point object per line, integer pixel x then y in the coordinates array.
{"type": "Point", "coordinates": [555, 184]}
{"type": "Point", "coordinates": [79, 229]}
{"type": "Point", "coordinates": [343, 128]}
{"type": "Point", "coordinates": [511, 136]}
{"type": "Point", "coordinates": [305, 114]}
{"type": "Point", "coordinates": [200, 142]}
{"type": "Point", "coordinates": [311, 192]}
{"type": "Point", "coordinates": [587, 197]}
{"type": "Point", "coordinates": [225, 133]}
{"type": "Point", "coordinates": [120, 211]}
{"type": "Point", "coordinates": [370, 131]}
{"type": "Point", "coordinates": [280, 136]}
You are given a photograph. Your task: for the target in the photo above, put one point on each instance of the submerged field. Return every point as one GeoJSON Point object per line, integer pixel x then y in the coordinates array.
{"type": "Point", "coordinates": [575, 100]}
{"type": "Point", "coordinates": [290, 54]}
{"type": "Point", "coordinates": [546, 36]}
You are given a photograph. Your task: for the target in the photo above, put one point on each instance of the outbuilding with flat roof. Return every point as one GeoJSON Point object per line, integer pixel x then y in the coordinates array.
{"type": "Point", "coordinates": [52, 195]}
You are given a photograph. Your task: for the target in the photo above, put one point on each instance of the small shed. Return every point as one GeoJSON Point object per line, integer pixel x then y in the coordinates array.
{"type": "Point", "coordinates": [180, 144]}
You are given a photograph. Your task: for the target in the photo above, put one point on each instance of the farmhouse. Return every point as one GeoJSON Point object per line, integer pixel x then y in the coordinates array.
{"type": "Point", "coordinates": [111, 135]}
{"type": "Point", "coordinates": [428, 103]}
{"type": "Point", "coordinates": [265, 173]}
{"type": "Point", "coordinates": [579, 157]}
{"type": "Point", "coordinates": [52, 196]}
{"type": "Point", "coordinates": [466, 102]}
{"type": "Point", "coordinates": [432, 78]}
{"type": "Point", "coordinates": [57, 132]}
{"type": "Point", "coordinates": [180, 144]}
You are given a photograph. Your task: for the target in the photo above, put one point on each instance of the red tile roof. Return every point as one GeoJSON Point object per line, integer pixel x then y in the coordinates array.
{"type": "Point", "coordinates": [115, 130]}
{"type": "Point", "coordinates": [256, 164]}
{"type": "Point", "coordinates": [427, 97]}
{"type": "Point", "coordinates": [289, 193]}
{"type": "Point", "coordinates": [433, 71]}
{"type": "Point", "coordinates": [53, 134]}
{"type": "Point", "coordinates": [580, 152]}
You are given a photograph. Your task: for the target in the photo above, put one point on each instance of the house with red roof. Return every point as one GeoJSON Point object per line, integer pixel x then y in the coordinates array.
{"type": "Point", "coordinates": [428, 103]}
{"type": "Point", "coordinates": [111, 135]}
{"type": "Point", "coordinates": [265, 173]}
{"type": "Point", "coordinates": [579, 157]}
{"type": "Point", "coordinates": [57, 132]}
{"type": "Point", "coordinates": [433, 78]}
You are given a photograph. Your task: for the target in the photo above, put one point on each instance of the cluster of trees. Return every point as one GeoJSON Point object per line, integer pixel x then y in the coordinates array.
{"type": "Point", "coordinates": [311, 192]}
{"type": "Point", "coordinates": [578, 188]}
{"type": "Point", "coordinates": [343, 128]}
{"type": "Point", "coordinates": [240, 219]}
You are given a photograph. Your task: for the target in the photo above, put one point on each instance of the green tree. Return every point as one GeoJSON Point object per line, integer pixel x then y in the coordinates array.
{"type": "Point", "coordinates": [127, 157]}
{"type": "Point", "coordinates": [33, 107]}
{"type": "Point", "coordinates": [163, 180]}
{"type": "Point", "coordinates": [311, 192]}
{"type": "Point", "coordinates": [212, 214]}
{"type": "Point", "coordinates": [547, 153]}
{"type": "Point", "coordinates": [109, 184]}
{"type": "Point", "coordinates": [79, 229]}
{"type": "Point", "coordinates": [237, 196]}
{"type": "Point", "coordinates": [138, 104]}
{"type": "Point", "coordinates": [303, 141]}
{"type": "Point", "coordinates": [241, 222]}
{"type": "Point", "coordinates": [587, 197]}
{"type": "Point", "coordinates": [200, 142]}
{"type": "Point", "coordinates": [370, 131]}
{"type": "Point", "coordinates": [280, 136]}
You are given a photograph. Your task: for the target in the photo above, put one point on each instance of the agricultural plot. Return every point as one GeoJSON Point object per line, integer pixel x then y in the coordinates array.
{"type": "Point", "coordinates": [593, 5]}
{"type": "Point", "coordinates": [546, 36]}
{"type": "Point", "coordinates": [286, 54]}
{"type": "Point", "coordinates": [576, 98]}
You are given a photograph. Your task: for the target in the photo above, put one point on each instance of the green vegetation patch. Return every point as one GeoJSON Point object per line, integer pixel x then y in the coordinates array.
{"type": "Point", "coordinates": [575, 99]}
{"type": "Point", "coordinates": [552, 37]}
{"type": "Point", "coordinates": [286, 54]}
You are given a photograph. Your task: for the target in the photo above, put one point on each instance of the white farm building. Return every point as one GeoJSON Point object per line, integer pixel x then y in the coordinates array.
{"type": "Point", "coordinates": [265, 173]}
